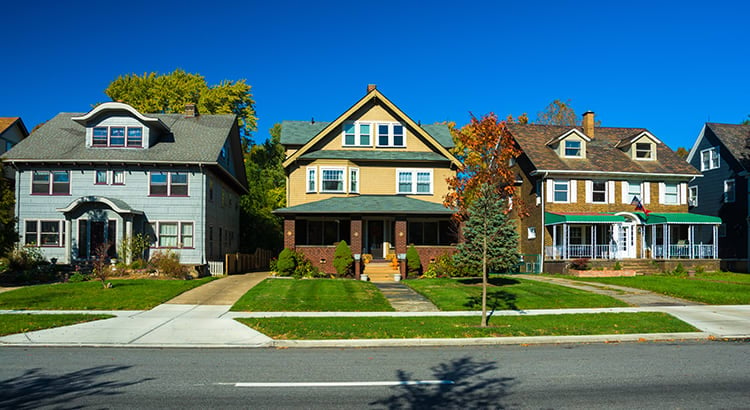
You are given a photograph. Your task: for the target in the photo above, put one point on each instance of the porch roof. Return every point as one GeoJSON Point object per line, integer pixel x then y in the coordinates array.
{"type": "Point", "coordinates": [655, 218]}
{"type": "Point", "coordinates": [368, 204]}
{"type": "Point", "coordinates": [552, 218]}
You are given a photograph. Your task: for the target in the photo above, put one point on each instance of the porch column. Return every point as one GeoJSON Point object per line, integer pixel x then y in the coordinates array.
{"type": "Point", "coordinates": [716, 241]}
{"type": "Point", "coordinates": [593, 242]}
{"type": "Point", "coordinates": [554, 242]}
{"type": "Point", "coordinates": [128, 235]}
{"type": "Point", "coordinates": [289, 240]}
{"type": "Point", "coordinates": [667, 241]}
{"type": "Point", "coordinates": [400, 234]}
{"type": "Point", "coordinates": [68, 242]}
{"type": "Point", "coordinates": [691, 240]}
{"type": "Point", "coordinates": [356, 238]}
{"type": "Point", "coordinates": [566, 233]}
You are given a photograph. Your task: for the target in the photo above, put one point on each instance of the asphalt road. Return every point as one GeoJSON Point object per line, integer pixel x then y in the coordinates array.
{"type": "Point", "coordinates": [629, 375]}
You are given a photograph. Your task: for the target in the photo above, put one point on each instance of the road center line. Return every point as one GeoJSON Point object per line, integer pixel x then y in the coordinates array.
{"type": "Point", "coordinates": [346, 384]}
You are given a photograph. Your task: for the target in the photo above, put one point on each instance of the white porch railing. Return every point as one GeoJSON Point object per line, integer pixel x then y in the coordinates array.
{"type": "Point", "coordinates": [581, 251]}
{"type": "Point", "coordinates": [216, 268]}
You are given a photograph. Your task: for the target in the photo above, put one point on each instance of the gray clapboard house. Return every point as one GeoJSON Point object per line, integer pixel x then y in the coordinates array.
{"type": "Point", "coordinates": [83, 179]}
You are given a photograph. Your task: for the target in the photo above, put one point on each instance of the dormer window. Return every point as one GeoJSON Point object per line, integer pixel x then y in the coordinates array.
{"type": "Point", "coordinates": [116, 137]}
{"type": "Point", "coordinates": [357, 134]}
{"type": "Point", "coordinates": [390, 135]}
{"type": "Point", "coordinates": [573, 149]}
{"type": "Point", "coordinates": [644, 151]}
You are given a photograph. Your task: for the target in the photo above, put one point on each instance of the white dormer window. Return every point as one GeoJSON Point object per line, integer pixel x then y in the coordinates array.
{"type": "Point", "coordinates": [573, 149]}
{"type": "Point", "coordinates": [357, 134]}
{"type": "Point", "coordinates": [644, 151]}
{"type": "Point", "coordinates": [391, 135]}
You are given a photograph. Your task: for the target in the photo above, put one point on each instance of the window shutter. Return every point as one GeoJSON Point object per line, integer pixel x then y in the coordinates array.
{"type": "Point", "coordinates": [646, 192]}
{"type": "Point", "coordinates": [683, 193]}
{"type": "Point", "coordinates": [573, 191]}
{"type": "Point", "coordinates": [589, 191]}
{"type": "Point", "coordinates": [550, 190]}
{"type": "Point", "coordinates": [624, 188]}
{"type": "Point", "coordinates": [662, 189]}
{"type": "Point", "coordinates": [611, 192]}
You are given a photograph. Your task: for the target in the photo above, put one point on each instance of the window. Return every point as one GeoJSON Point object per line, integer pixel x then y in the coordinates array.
{"type": "Point", "coordinates": [44, 233]}
{"type": "Point", "coordinates": [643, 150]}
{"type": "Point", "coordinates": [693, 196]}
{"type": "Point", "coordinates": [60, 183]}
{"type": "Point", "coordinates": [442, 232]}
{"type": "Point", "coordinates": [560, 190]}
{"type": "Point", "coordinates": [311, 179]}
{"type": "Point", "coordinates": [135, 137]}
{"type": "Point", "coordinates": [118, 177]}
{"type": "Point", "coordinates": [710, 159]}
{"type": "Point", "coordinates": [100, 137]}
{"type": "Point", "coordinates": [599, 191]}
{"type": "Point", "coordinates": [8, 146]}
{"type": "Point", "coordinates": [414, 181]}
{"type": "Point", "coordinates": [357, 134]}
{"type": "Point", "coordinates": [321, 231]}
{"type": "Point", "coordinates": [354, 180]}
{"type": "Point", "coordinates": [671, 196]}
{"type": "Point", "coordinates": [168, 184]}
{"type": "Point", "coordinates": [391, 135]}
{"type": "Point", "coordinates": [117, 137]}
{"type": "Point", "coordinates": [101, 178]}
{"type": "Point", "coordinates": [573, 149]}
{"type": "Point", "coordinates": [729, 190]}
{"type": "Point", "coordinates": [332, 180]}
{"type": "Point", "coordinates": [531, 232]}
{"type": "Point", "coordinates": [634, 191]}
{"type": "Point", "coordinates": [175, 234]}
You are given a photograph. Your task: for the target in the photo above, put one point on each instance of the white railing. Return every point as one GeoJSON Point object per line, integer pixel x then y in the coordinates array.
{"type": "Point", "coordinates": [682, 251]}
{"type": "Point", "coordinates": [216, 268]}
{"type": "Point", "coordinates": [582, 251]}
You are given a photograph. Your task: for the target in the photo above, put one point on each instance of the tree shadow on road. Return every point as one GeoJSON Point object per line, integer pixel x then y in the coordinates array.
{"type": "Point", "coordinates": [473, 386]}
{"type": "Point", "coordinates": [35, 389]}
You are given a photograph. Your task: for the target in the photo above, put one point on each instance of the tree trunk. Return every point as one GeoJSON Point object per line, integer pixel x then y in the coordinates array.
{"type": "Point", "coordinates": [484, 281]}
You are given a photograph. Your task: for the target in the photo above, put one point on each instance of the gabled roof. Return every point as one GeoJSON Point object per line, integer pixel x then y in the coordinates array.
{"type": "Point", "coordinates": [602, 156]}
{"type": "Point", "coordinates": [7, 122]}
{"type": "Point", "coordinates": [368, 204]}
{"type": "Point", "coordinates": [734, 137]}
{"type": "Point", "coordinates": [373, 95]}
{"type": "Point", "coordinates": [572, 131]}
{"type": "Point", "coordinates": [635, 137]}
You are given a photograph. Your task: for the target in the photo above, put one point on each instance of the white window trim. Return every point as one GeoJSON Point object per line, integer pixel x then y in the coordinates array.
{"type": "Point", "coordinates": [414, 172]}
{"type": "Point", "coordinates": [311, 172]}
{"type": "Point", "coordinates": [733, 191]}
{"type": "Point", "coordinates": [390, 134]}
{"type": "Point", "coordinates": [156, 228]}
{"type": "Point", "coordinates": [357, 135]}
{"type": "Point", "coordinates": [713, 156]}
{"type": "Point", "coordinates": [693, 195]}
{"type": "Point", "coordinates": [627, 196]}
{"type": "Point", "coordinates": [354, 172]}
{"type": "Point", "coordinates": [565, 151]}
{"type": "Point", "coordinates": [169, 183]}
{"type": "Point", "coordinates": [343, 175]}
{"type": "Point", "coordinates": [531, 232]}
{"type": "Point", "coordinates": [652, 151]}
{"type": "Point", "coordinates": [663, 194]}
{"type": "Point", "coordinates": [38, 243]}
{"type": "Point", "coordinates": [569, 190]}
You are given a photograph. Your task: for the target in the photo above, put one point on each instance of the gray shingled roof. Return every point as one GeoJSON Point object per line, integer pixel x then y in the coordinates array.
{"type": "Point", "coordinates": [300, 132]}
{"type": "Point", "coordinates": [368, 204]}
{"type": "Point", "coordinates": [193, 140]}
{"type": "Point", "coordinates": [375, 155]}
{"type": "Point", "coordinates": [601, 153]}
{"type": "Point", "coordinates": [736, 138]}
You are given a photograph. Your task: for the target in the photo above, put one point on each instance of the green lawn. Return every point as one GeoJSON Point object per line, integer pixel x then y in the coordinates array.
{"type": "Point", "coordinates": [313, 295]}
{"type": "Point", "coordinates": [19, 323]}
{"type": "Point", "coordinates": [292, 328]}
{"type": "Point", "coordinates": [125, 294]}
{"type": "Point", "coordinates": [716, 288]}
{"type": "Point", "coordinates": [506, 293]}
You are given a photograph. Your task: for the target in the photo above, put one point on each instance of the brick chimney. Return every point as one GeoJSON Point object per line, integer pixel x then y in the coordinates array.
{"type": "Point", "coordinates": [588, 124]}
{"type": "Point", "coordinates": [191, 110]}
{"type": "Point", "coordinates": [371, 88]}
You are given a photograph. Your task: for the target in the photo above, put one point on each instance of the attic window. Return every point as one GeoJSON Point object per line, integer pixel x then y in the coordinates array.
{"type": "Point", "coordinates": [573, 149]}
{"type": "Point", "coordinates": [116, 137]}
{"type": "Point", "coordinates": [644, 150]}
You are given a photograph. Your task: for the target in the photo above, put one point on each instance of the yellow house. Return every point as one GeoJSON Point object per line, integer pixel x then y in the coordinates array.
{"type": "Point", "coordinates": [372, 177]}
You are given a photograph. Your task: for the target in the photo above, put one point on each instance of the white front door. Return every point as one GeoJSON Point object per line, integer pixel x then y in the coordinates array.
{"type": "Point", "coordinates": [625, 240]}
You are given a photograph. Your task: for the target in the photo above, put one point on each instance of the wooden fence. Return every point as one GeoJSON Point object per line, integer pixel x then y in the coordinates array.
{"type": "Point", "coordinates": [244, 262]}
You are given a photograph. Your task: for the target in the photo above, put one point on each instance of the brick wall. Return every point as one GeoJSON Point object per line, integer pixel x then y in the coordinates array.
{"type": "Point", "coordinates": [429, 253]}
{"type": "Point", "coordinates": [316, 255]}
{"type": "Point", "coordinates": [289, 233]}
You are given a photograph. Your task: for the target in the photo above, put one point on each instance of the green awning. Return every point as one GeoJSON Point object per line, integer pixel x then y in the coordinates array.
{"type": "Point", "coordinates": [654, 218]}
{"type": "Point", "coordinates": [551, 218]}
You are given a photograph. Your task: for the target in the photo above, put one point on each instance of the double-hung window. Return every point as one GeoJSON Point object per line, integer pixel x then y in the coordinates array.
{"type": "Point", "coordinates": [693, 196]}
{"type": "Point", "coordinates": [109, 177]}
{"type": "Point", "coordinates": [135, 137]}
{"type": "Point", "coordinates": [634, 191]}
{"type": "Point", "coordinates": [599, 191]}
{"type": "Point", "coordinates": [357, 134]}
{"type": "Point", "coordinates": [710, 159]}
{"type": "Point", "coordinates": [671, 194]}
{"type": "Point", "coordinates": [44, 233]}
{"type": "Point", "coordinates": [391, 135]}
{"type": "Point", "coordinates": [354, 180]}
{"type": "Point", "coordinates": [168, 184]}
{"type": "Point", "coordinates": [50, 183]}
{"type": "Point", "coordinates": [311, 179]}
{"type": "Point", "coordinates": [414, 181]}
{"type": "Point", "coordinates": [573, 149]}
{"type": "Point", "coordinates": [119, 136]}
{"type": "Point", "coordinates": [729, 190]}
{"type": "Point", "coordinates": [101, 178]}
{"type": "Point", "coordinates": [644, 151]}
{"type": "Point", "coordinates": [560, 191]}
{"type": "Point", "coordinates": [174, 234]}
{"type": "Point", "coordinates": [332, 179]}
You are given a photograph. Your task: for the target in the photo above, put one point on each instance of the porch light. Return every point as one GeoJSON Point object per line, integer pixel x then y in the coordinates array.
{"type": "Point", "coordinates": [400, 234]}
{"type": "Point", "coordinates": [357, 256]}
{"type": "Point", "coordinates": [322, 260]}
{"type": "Point", "coordinates": [288, 233]}
{"type": "Point", "coordinates": [356, 234]}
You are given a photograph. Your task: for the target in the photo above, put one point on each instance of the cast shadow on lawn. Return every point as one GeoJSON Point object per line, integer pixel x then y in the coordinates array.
{"type": "Point", "coordinates": [35, 389]}
{"type": "Point", "coordinates": [473, 386]}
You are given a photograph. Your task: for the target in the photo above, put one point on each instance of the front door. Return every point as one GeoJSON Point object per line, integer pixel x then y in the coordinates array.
{"type": "Point", "coordinates": [626, 241]}
{"type": "Point", "coordinates": [375, 238]}
{"type": "Point", "coordinates": [93, 234]}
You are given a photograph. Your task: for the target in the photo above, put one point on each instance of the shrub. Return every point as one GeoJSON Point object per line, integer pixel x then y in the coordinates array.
{"type": "Point", "coordinates": [580, 264]}
{"type": "Point", "coordinates": [285, 264]}
{"type": "Point", "coordinates": [134, 247]}
{"type": "Point", "coordinates": [304, 268]}
{"type": "Point", "coordinates": [699, 269]}
{"type": "Point", "coordinates": [442, 267]}
{"type": "Point", "coordinates": [413, 264]}
{"type": "Point", "coordinates": [102, 268]}
{"type": "Point", "coordinates": [79, 277]}
{"type": "Point", "coordinates": [617, 266]}
{"type": "Point", "coordinates": [272, 264]}
{"type": "Point", "coordinates": [168, 263]}
{"type": "Point", "coordinates": [343, 260]}
{"type": "Point", "coordinates": [679, 270]}
{"type": "Point", "coordinates": [24, 258]}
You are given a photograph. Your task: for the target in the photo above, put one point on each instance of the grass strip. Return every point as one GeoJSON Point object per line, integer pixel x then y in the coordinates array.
{"type": "Point", "coordinates": [21, 323]}
{"type": "Point", "coordinates": [506, 293]}
{"type": "Point", "coordinates": [706, 288]}
{"type": "Point", "coordinates": [313, 295]}
{"type": "Point", "coordinates": [125, 294]}
{"type": "Point", "coordinates": [322, 328]}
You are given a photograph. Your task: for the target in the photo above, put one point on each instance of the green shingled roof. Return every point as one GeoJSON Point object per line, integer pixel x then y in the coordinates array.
{"type": "Point", "coordinates": [300, 132]}
{"type": "Point", "coordinates": [368, 204]}
{"type": "Point", "coordinates": [378, 155]}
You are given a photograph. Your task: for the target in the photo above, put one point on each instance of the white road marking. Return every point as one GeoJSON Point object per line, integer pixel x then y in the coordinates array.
{"type": "Point", "coordinates": [345, 384]}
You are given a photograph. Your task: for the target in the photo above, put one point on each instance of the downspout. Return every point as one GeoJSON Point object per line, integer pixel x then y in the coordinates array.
{"type": "Point", "coordinates": [543, 189]}
{"type": "Point", "coordinates": [204, 187]}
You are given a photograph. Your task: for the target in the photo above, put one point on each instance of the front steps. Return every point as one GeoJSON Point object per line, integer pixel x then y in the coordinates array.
{"type": "Point", "coordinates": [381, 271]}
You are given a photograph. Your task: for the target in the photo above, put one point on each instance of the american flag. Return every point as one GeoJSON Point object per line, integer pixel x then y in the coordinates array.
{"type": "Point", "coordinates": [636, 202]}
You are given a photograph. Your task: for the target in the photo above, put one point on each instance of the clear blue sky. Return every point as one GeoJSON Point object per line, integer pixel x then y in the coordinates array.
{"type": "Point", "coordinates": [665, 66]}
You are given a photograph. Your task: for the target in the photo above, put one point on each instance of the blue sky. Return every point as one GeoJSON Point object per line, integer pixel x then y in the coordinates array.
{"type": "Point", "coordinates": [665, 66]}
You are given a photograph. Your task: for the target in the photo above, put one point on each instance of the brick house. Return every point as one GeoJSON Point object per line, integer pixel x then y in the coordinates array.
{"type": "Point", "coordinates": [372, 177]}
{"type": "Point", "coordinates": [607, 194]}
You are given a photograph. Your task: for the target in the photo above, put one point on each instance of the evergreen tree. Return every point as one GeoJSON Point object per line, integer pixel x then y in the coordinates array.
{"type": "Point", "coordinates": [343, 260]}
{"type": "Point", "coordinates": [490, 240]}
{"type": "Point", "coordinates": [413, 263]}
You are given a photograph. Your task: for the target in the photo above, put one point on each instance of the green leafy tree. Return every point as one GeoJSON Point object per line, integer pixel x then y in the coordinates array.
{"type": "Point", "coordinates": [343, 260]}
{"type": "Point", "coordinates": [490, 240]}
{"type": "Point", "coordinates": [168, 93]}
{"type": "Point", "coordinates": [8, 234]}
{"type": "Point", "coordinates": [413, 263]}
